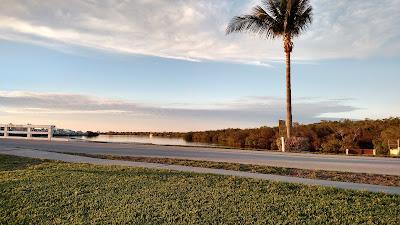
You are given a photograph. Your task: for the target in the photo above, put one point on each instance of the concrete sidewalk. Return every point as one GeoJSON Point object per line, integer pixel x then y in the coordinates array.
{"type": "Point", "coordinates": [80, 159]}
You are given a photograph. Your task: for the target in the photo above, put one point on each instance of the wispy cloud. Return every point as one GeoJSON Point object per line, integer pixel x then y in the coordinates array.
{"type": "Point", "coordinates": [245, 112]}
{"type": "Point", "coordinates": [194, 29]}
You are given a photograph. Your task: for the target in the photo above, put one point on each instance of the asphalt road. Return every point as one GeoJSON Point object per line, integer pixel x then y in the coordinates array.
{"type": "Point", "coordinates": [375, 165]}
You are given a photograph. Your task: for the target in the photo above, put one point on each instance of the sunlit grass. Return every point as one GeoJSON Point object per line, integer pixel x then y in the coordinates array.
{"type": "Point", "coordinates": [377, 179]}
{"type": "Point", "coordinates": [63, 193]}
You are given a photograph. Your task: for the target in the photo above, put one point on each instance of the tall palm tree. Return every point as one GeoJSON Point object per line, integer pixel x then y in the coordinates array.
{"type": "Point", "coordinates": [273, 19]}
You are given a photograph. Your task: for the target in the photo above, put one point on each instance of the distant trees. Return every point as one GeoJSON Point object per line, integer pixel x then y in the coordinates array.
{"type": "Point", "coordinates": [92, 134]}
{"type": "Point", "coordinates": [263, 137]}
{"type": "Point", "coordinates": [157, 134]}
{"type": "Point", "coordinates": [325, 136]}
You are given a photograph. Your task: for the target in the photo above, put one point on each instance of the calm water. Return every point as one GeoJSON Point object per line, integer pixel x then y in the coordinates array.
{"type": "Point", "coordinates": [144, 139]}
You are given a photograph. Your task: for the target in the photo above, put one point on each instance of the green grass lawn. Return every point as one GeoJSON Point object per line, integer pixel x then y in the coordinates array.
{"type": "Point", "coordinates": [45, 192]}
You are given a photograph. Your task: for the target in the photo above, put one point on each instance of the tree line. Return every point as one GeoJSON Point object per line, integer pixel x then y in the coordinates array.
{"type": "Point", "coordinates": [155, 134]}
{"type": "Point", "coordinates": [325, 136]}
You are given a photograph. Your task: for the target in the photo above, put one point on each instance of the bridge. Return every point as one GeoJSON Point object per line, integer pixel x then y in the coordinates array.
{"type": "Point", "coordinates": [28, 131]}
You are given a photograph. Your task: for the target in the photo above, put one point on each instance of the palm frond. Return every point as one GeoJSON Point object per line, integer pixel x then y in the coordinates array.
{"type": "Point", "coordinates": [303, 5]}
{"type": "Point", "coordinates": [299, 17]}
{"type": "Point", "coordinates": [259, 22]}
{"type": "Point", "coordinates": [273, 7]}
{"type": "Point", "coordinates": [248, 23]}
{"type": "Point", "coordinates": [274, 18]}
{"type": "Point", "coordinates": [302, 21]}
{"type": "Point", "coordinates": [259, 12]}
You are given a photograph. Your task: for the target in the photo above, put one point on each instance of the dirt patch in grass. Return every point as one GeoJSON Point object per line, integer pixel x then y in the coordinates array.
{"type": "Point", "coordinates": [387, 180]}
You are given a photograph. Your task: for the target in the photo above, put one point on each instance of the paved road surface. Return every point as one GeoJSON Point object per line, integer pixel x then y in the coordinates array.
{"type": "Point", "coordinates": [376, 165]}
{"type": "Point", "coordinates": [80, 159]}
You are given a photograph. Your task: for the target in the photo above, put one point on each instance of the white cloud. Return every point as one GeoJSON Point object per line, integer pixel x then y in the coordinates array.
{"type": "Point", "coordinates": [60, 108]}
{"type": "Point", "coordinates": [194, 29]}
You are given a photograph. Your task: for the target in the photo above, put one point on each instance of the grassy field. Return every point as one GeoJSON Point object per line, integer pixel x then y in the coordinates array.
{"type": "Point", "coordinates": [45, 192]}
{"type": "Point", "coordinates": [388, 180]}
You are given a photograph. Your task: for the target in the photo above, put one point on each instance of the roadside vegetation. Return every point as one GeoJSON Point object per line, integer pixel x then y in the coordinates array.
{"type": "Point", "coordinates": [324, 137]}
{"type": "Point", "coordinates": [364, 178]}
{"type": "Point", "coordinates": [62, 193]}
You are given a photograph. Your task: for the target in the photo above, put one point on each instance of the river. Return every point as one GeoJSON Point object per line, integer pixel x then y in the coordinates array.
{"type": "Point", "coordinates": [144, 139]}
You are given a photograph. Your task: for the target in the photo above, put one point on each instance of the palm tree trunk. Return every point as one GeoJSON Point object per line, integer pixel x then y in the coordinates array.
{"type": "Point", "coordinates": [288, 97]}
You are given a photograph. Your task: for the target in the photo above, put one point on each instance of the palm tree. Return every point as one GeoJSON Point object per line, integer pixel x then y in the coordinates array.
{"type": "Point", "coordinates": [277, 18]}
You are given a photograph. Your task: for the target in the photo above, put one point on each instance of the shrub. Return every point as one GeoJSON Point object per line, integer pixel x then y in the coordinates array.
{"type": "Point", "coordinates": [275, 145]}
{"type": "Point", "coordinates": [380, 147]}
{"type": "Point", "coordinates": [295, 144]}
{"type": "Point", "coordinates": [391, 133]}
{"type": "Point", "coordinates": [188, 137]}
{"type": "Point", "coordinates": [331, 146]}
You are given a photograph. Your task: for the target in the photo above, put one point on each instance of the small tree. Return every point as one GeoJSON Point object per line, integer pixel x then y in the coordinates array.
{"type": "Point", "coordinates": [332, 146]}
{"type": "Point", "coordinates": [381, 144]}
{"type": "Point", "coordinates": [391, 133]}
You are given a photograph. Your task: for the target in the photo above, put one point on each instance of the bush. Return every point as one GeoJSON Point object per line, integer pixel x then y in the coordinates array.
{"type": "Point", "coordinates": [295, 144]}
{"type": "Point", "coordinates": [391, 133]}
{"type": "Point", "coordinates": [188, 137]}
{"type": "Point", "coordinates": [331, 146]}
{"type": "Point", "coordinates": [380, 147]}
{"type": "Point", "coordinates": [275, 145]}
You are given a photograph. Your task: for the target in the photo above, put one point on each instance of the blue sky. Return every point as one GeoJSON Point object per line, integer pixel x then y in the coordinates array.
{"type": "Point", "coordinates": [116, 65]}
